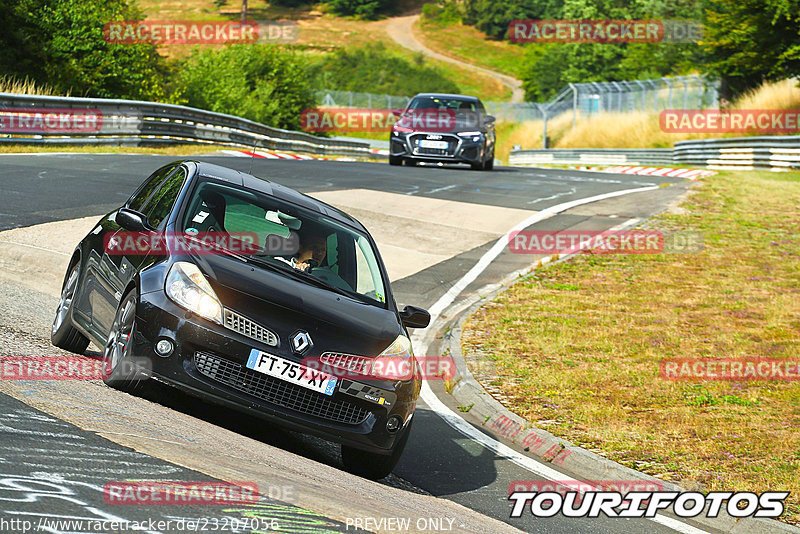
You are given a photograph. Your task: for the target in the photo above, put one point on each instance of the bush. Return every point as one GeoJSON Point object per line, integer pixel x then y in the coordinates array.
{"type": "Point", "coordinates": [368, 9]}
{"type": "Point", "coordinates": [267, 84]}
{"type": "Point", "coordinates": [374, 69]}
{"type": "Point", "coordinates": [444, 12]}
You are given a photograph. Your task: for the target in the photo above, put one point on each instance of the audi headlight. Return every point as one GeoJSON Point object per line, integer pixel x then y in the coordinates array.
{"type": "Point", "coordinates": [396, 362]}
{"type": "Point", "coordinates": [187, 286]}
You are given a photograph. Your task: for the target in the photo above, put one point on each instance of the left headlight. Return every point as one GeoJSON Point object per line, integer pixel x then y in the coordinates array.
{"type": "Point", "coordinates": [396, 362]}
{"type": "Point", "coordinates": [187, 286]}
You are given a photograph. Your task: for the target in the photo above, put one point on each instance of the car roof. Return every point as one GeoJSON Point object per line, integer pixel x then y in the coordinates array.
{"type": "Point", "coordinates": [262, 185]}
{"type": "Point", "coordinates": [449, 95]}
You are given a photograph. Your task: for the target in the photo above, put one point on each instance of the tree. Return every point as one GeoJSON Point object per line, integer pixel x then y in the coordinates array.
{"type": "Point", "coordinates": [368, 9]}
{"type": "Point", "coordinates": [267, 84]}
{"type": "Point", "coordinates": [60, 43]}
{"type": "Point", "coordinates": [752, 41]}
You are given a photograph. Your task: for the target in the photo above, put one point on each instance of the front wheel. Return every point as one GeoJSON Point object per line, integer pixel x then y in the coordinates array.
{"type": "Point", "coordinates": [372, 465]}
{"type": "Point", "coordinates": [120, 371]}
{"type": "Point", "coordinates": [395, 160]}
{"type": "Point", "coordinates": [63, 334]}
{"type": "Point", "coordinates": [489, 164]}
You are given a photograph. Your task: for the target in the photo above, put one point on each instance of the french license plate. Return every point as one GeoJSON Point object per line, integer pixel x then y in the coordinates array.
{"type": "Point", "coordinates": [426, 143]}
{"type": "Point", "coordinates": [269, 364]}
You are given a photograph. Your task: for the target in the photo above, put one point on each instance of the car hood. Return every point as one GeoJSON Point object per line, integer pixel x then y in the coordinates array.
{"type": "Point", "coordinates": [285, 305]}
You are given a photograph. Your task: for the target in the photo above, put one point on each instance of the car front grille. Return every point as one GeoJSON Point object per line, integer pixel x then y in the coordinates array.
{"type": "Point", "coordinates": [246, 327]}
{"type": "Point", "coordinates": [452, 144]}
{"type": "Point", "coordinates": [279, 392]}
{"type": "Point", "coordinates": [354, 364]}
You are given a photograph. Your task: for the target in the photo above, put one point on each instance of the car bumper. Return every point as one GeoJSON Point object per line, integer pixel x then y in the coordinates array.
{"type": "Point", "coordinates": [459, 150]}
{"type": "Point", "coordinates": [208, 361]}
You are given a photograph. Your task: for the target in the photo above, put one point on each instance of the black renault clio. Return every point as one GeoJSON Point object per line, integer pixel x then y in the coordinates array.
{"type": "Point", "coordinates": [229, 287]}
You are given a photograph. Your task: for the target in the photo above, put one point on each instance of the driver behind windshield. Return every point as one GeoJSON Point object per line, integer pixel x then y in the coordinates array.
{"type": "Point", "coordinates": [311, 252]}
{"type": "Point", "coordinates": [313, 249]}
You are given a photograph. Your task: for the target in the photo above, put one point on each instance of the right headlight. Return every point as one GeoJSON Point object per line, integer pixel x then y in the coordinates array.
{"type": "Point", "coordinates": [396, 362]}
{"type": "Point", "coordinates": [187, 286]}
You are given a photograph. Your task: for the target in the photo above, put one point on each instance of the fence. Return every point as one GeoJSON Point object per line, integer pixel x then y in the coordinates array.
{"type": "Point", "coordinates": [778, 153]}
{"type": "Point", "coordinates": [679, 92]}
{"type": "Point", "coordinates": [131, 122]}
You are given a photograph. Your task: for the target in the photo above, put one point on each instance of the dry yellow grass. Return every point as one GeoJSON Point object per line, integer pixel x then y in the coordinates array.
{"type": "Point", "coordinates": [638, 129]}
{"type": "Point", "coordinates": [26, 86]}
{"type": "Point", "coordinates": [780, 95]}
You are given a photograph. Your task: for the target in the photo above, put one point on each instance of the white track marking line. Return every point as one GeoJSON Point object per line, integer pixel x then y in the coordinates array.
{"type": "Point", "coordinates": [32, 246]}
{"type": "Point", "coordinates": [448, 298]}
{"type": "Point", "coordinates": [460, 424]}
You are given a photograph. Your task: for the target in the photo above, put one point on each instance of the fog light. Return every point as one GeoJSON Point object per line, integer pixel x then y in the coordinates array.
{"type": "Point", "coordinates": [164, 347]}
{"type": "Point", "coordinates": [393, 424]}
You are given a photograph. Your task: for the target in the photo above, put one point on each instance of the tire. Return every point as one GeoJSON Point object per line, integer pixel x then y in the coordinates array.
{"type": "Point", "coordinates": [411, 163]}
{"type": "Point", "coordinates": [372, 465]}
{"type": "Point", "coordinates": [478, 166]}
{"type": "Point", "coordinates": [395, 160]}
{"type": "Point", "coordinates": [489, 163]}
{"type": "Point", "coordinates": [63, 334]}
{"type": "Point", "coordinates": [120, 373]}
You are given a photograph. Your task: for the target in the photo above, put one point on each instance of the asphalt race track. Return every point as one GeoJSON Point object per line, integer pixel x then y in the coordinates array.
{"type": "Point", "coordinates": [433, 223]}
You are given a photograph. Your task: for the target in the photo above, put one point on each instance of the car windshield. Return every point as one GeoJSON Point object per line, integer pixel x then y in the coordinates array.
{"type": "Point", "coordinates": [309, 246]}
{"type": "Point", "coordinates": [441, 103]}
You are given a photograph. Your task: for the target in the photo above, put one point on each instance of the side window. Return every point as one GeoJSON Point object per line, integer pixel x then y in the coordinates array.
{"type": "Point", "coordinates": [160, 204]}
{"type": "Point", "coordinates": [146, 189]}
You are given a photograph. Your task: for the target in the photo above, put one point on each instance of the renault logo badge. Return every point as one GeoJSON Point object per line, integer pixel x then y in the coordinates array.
{"type": "Point", "coordinates": [301, 341]}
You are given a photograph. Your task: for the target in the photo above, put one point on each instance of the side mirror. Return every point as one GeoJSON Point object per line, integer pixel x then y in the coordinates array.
{"type": "Point", "coordinates": [397, 112]}
{"type": "Point", "coordinates": [490, 119]}
{"type": "Point", "coordinates": [132, 220]}
{"type": "Point", "coordinates": [414, 317]}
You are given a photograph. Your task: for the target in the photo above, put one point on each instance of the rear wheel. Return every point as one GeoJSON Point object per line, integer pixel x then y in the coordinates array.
{"type": "Point", "coordinates": [63, 335]}
{"type": "Point", "coordinates": [371, 465]}
{"type": "Point", "coordinates": [120, 372]}
{"type": "Point", "coordinates": [395, 160]}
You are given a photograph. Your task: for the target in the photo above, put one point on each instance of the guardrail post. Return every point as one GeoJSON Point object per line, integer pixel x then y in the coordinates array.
{"type": "Point", "coordinates": [669, 92]}
{"type": "Point", "coordinates": [574, 104]}
{"type": "Point", "coordinates": [685, 92]}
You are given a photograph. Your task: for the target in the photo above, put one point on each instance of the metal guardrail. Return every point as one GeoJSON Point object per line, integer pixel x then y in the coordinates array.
{"type": "Point", "coordinates": [743, 153]}
{"type": "Point", "coordinates": [138, 123]}
{"type": "Point", "coordinates": [767, 152]}
{"type": "Point", "coordinates": [591, 156]}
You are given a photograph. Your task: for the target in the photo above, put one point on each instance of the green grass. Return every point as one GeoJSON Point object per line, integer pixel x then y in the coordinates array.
{"type": "Point", "coordinates": [470, 45]}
